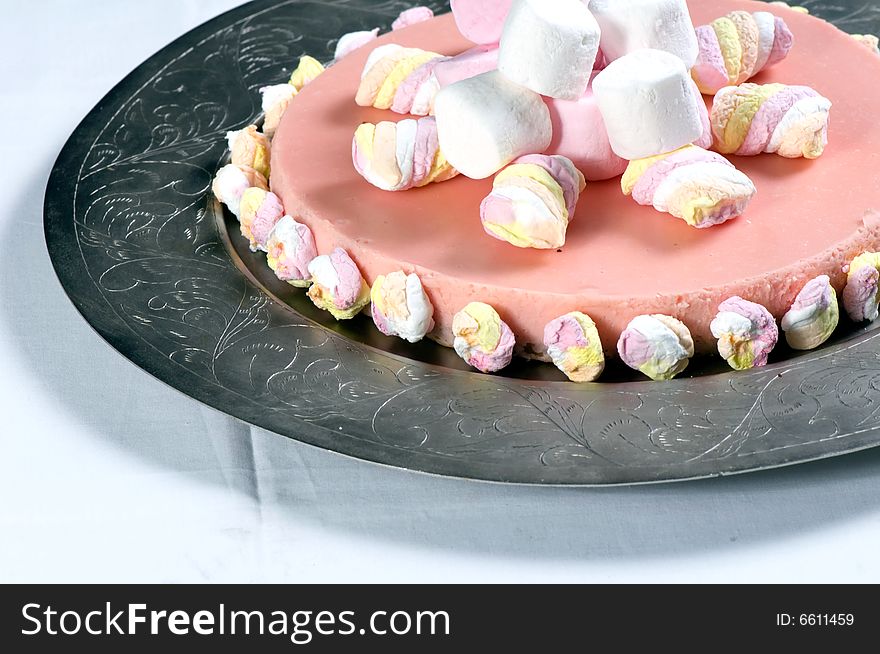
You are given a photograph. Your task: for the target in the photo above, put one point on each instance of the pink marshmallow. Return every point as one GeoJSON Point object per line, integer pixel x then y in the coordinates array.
{"type": "Point", "coordinates": [481, 21]}
{"type": "Point", "coordinates": [579, 133]}
{"type": "Point", "coordinates": [470, 63]}
{"type": "Point", "coordinates": [411, 17]}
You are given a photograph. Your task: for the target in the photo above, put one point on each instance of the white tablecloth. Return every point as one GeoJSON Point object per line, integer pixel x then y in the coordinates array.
{"type": "Point", "coordinates": [108, 475]}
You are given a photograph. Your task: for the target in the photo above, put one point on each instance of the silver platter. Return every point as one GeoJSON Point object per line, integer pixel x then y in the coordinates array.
{"type": "Point", "coordinates": [146, 256]}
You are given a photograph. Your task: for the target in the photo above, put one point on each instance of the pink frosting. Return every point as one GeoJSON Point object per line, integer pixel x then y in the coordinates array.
{"type": "Point", "coordinates": [768, 116]}
{"type": "Point", "coordinates": [411, 17]}
{"type": "Point", "coordinates": [269, 213]}
{"type": "Point", "coordinates": [409, 88]}
{"type": "Point", "coordinates": [782, 43]}
{"type": "Point", "coordinates": [470, 63]}
{"type": "Point", "coordinates": [571, 186]}
{"type": "Point", "coordinates": [481, 21]}
{"type": "Point", "coordinates": [766, 333]}
{"type": "Point", "coordinates": [858, 291]}
{"type": "Point", "coordinates": [350, 281]}
{"type": "Point", "coordinates": [579, 133]}
{"type": "Point", "coordinates": [643, 191]}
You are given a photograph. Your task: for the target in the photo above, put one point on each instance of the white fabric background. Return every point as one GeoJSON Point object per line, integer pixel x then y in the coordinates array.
{"type": "Point", "coordinates": [108, 475]}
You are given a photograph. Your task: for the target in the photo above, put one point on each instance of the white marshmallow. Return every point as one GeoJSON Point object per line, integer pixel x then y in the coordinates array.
{"type": "Point", "coordinates": [550, 47]}
{"type": "Point", "coordinates": [630, 25]}
{"type": "Point", "coordinates": [648, 104]}
{"type": "Point", "coordinates": [487, 121]}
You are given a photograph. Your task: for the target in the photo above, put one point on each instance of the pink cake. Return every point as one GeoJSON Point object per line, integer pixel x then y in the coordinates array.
{"type": "Point", "coordinates": [620, 259]}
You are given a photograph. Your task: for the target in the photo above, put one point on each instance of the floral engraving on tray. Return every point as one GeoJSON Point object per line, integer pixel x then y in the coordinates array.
{"type": "Point", "coordinates": [145, 229]}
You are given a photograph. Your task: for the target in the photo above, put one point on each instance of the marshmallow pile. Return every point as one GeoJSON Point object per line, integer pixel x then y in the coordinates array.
{"type": "Point", "coordinates": [612, 86]}
{"type": "Point", "coordinates": [643, 104]}
{"type": "Point", "coordinates": [605, 84]}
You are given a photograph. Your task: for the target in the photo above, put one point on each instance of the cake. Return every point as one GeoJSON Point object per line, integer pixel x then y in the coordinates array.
{"type": "Point", "coordinates": [620, 260]}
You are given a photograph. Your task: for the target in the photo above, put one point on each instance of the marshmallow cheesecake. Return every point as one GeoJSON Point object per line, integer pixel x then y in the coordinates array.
{"type": "Point", "coordinates": [630, 273]}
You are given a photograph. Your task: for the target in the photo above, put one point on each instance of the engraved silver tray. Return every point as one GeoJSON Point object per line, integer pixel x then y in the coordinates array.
{"type": "Point", "coordinates": [146, 256]}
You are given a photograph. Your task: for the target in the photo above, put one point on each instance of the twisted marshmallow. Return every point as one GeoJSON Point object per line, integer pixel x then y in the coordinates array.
{"type": "Point", "coordinates": [482, 339]}
{"type": "Point", "coordinates": [400, 79]}
{"type": "Point", "coordinates": [232, 181]}
{"type": "Point", "coordinates": [791, 121]}
{"type": "Point", "coordinates": [337, 285]}
{"type": "Point", "coordinates": [308, 69]}
{"type": "Point", "coordinates": [400, 306]}
{"type": "Point", "coordinates": [350, 42]}
{"type": "Point", "coordinates": [249, 148]}
{"type": "Point", "coordinates": [290, 249]}
{"type": "Point", "coordinates": [532, 201]}
{"type": "Point", "coordinates": [572, 341]}
{"type": "Point", "coordinates": [737, 47]}
{"type": "Point", "coordinates": [260, 211]}
{"type": "Point", "coordinates": [746, 333]}
{"type": "Point", "coordinates": [411, 17]}
{"type": "Point", "coordinates": [700, 187]}
{"type": "Point", "coordinates": [814, 315]}
{"type": "Point", "coordinates": [400, 156]}
{"type": "Point", "coordinates": [276, 99]}
{"type": "Point", "coordinates": [860, 293]}
{"type": "Point", "coordinates": [658, 346]}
